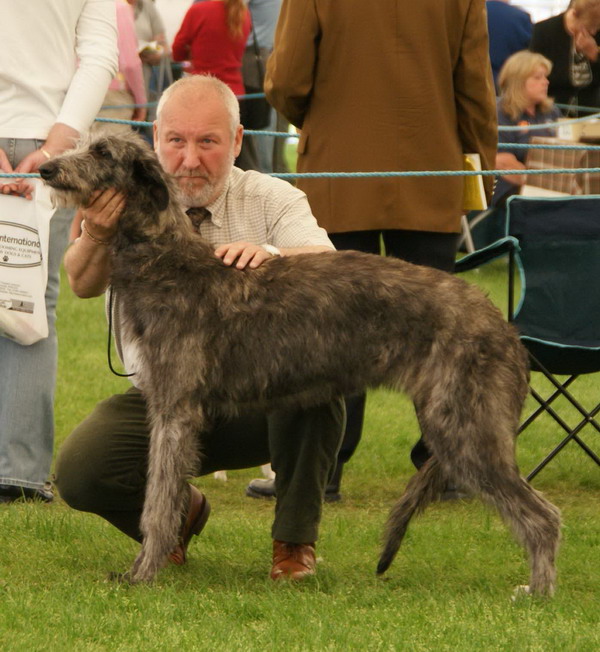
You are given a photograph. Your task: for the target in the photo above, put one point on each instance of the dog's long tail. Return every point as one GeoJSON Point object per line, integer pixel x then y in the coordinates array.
{"type": "Point", "coordinates": [426, 486]}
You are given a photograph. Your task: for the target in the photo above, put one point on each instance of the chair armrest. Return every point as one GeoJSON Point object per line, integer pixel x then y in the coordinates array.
{"type": "Point", "coordinates": [480, 257]}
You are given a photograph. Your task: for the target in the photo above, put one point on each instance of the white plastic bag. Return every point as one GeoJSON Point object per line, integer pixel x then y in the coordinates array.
{"type": "Point", "coordinates": [24, 236]}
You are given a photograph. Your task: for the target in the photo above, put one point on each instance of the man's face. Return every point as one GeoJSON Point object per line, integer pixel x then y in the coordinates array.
{"type": "Point", "coordinates": [590, 20]}
{"type": "Point", "coordinates": [194, 144]}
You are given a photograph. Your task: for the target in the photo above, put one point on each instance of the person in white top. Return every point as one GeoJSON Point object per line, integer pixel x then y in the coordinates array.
{"type": "Point", "coordinates": [56, 62]}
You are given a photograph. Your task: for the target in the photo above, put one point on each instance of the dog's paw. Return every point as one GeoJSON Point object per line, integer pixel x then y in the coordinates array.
{"type": "Point", "coordinates": [119, 578]}
{"type": "Point", "coordinates": [520, 592]}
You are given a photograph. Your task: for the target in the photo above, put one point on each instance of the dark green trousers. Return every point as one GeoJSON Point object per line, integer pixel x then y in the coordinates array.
{"type": "Point", "coordinates": [101, 467]}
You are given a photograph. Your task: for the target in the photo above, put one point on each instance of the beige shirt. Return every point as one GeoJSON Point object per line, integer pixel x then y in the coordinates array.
{"type": "Point", "coordinates": [257, 208]}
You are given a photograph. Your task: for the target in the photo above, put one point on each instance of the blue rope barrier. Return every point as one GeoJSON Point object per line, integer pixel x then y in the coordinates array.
{"type": "Point", "coordinates": [548, 125]}
{"type": "Point", "coordinates": [403, 173]}
{"type": "Point", "coordinates": [250, 132]}
{"type": "Point", "coordinates": [133, 123]}
{"type": "Point", "coordinates": [277, 134]}
{"type": "Point", "coordinates": [250, 96]}
{"type": "Point", "coordinates": [555, 147]}
{"type": "Point", "coordinates": [574, 107]}
{"type": "Point", "coordinates": [428, 173]}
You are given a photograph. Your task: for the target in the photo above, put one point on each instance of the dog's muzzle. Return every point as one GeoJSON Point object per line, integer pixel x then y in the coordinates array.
{"type": "Point", "coordinates": [48, 170]}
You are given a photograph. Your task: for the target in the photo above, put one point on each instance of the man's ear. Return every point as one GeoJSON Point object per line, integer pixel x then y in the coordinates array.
{"type": "Point", "coordinates": [237, 140]}
{"type": "Point", "coordinates": [155, 135]}
{"type": "Point", "coordinates": [148, 172]}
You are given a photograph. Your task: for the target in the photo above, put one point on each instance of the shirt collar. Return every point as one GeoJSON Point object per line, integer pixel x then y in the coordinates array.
{"type": "Point", "coordinates": [217, 207]}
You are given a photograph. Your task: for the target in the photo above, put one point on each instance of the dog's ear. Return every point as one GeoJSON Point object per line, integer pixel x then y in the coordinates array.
{"type": "Point", "coordinates": [148, 173]}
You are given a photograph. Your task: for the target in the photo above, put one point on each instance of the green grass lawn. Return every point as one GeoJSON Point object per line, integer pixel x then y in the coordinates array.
{"type": "Point", "coordinates": [449, 588]}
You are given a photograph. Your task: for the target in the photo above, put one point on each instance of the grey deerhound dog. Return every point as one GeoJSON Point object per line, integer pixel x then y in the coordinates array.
{"type": "Point", "coordinates": [301, 330]}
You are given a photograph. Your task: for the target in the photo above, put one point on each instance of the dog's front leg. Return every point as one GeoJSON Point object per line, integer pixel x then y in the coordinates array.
{"type": "Point", "coordinates": [172, 458]}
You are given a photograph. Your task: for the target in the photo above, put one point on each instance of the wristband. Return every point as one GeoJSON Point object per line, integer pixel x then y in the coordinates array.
{"type": "Point", "coordinates": [93, 237]}
{"type": "Point", "coordinates": [270, 249]}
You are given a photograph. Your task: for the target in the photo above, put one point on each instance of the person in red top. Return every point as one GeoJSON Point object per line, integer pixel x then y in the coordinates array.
{"type": "Point", "coordinates": [213, 37]}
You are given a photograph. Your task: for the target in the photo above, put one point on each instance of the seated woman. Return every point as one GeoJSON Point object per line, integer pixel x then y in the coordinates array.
{"type": "Point", "coordinates": [523, 101]}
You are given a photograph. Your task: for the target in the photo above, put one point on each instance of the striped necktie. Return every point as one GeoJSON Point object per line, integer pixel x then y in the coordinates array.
{"type": "Point", "coordinates": [197, 215]}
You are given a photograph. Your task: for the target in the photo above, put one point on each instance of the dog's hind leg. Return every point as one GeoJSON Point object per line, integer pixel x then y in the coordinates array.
{"type": "Point", "coordinates": [471, 430]}
{"type": "Point", "coordinates": [534, 521]}
{"type": "Point", "coordinates": [484, 461]}
{"type": "Point", "coordinates": [488, 467]}
{"type": "Point", "coordinates": [172, 458]}
{"type": "Point", "coordinates": [423, 488]}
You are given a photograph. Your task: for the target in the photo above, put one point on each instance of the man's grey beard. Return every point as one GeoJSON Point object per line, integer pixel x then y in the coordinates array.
{"type": "Point", "coordinates": [195, 198]}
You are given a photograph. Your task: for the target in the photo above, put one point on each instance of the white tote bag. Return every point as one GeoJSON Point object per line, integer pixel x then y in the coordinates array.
{"type": "Point", "coordinates": [24, 236]}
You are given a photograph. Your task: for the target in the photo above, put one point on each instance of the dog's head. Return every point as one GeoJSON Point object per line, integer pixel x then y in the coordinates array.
{"type": "Point", "coordinates": [124, 161]}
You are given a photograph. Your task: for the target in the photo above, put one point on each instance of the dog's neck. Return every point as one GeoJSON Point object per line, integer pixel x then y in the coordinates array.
{"type": "Point", "coordinates": [141, 221]}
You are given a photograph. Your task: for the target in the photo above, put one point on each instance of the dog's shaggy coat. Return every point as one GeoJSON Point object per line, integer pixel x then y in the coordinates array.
{"type": "Point", "coordinates": [300, 330]}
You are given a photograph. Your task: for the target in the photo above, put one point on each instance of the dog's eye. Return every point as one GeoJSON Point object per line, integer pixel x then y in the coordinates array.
{"type": "Point", "coordinates": [101, 151]}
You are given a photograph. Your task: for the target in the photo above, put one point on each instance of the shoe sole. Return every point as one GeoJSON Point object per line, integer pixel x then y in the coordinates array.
{"type": "Point", "coordinates": [298, 576]}
{"type": "Point", "coordinates": [256, 494]}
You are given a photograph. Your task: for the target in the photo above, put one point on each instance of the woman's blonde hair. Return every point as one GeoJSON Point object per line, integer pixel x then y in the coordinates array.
{"type": "Point", "coordinates": [511, 80]}
{"type": "Point", "coordinates": [236, 13]}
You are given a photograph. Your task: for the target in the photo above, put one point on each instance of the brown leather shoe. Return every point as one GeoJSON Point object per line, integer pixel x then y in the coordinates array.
{"type": "Point", "coordinates": [293, 561]}
{"type": "Point", "coordinates": [197, 515]}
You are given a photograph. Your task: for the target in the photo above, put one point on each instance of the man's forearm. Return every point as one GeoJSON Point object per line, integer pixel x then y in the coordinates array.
{"type": "Point", "coordinates": [87, 265]}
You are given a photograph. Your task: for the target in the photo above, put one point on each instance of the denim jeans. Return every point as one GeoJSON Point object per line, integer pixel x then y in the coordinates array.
{"type": "Point", "coordinates": [29, 372]}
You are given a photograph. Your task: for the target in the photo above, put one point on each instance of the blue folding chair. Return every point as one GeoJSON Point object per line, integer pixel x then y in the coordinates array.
{"type": "Point", "coordinates": [554, 245]}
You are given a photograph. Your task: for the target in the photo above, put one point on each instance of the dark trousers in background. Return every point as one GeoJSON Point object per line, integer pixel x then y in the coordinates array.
{"type": "Point", "coordinates": [255, 113]}
{"type": "Point", "coordinates": [436, 250]}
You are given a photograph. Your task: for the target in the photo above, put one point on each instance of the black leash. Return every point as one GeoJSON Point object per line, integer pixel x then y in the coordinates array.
{"type": "Point", "coordinates": [110, 325]}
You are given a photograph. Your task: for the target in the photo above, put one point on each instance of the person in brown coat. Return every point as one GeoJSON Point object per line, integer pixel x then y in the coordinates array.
{"type": "Point", "coordinates": [385, 86]}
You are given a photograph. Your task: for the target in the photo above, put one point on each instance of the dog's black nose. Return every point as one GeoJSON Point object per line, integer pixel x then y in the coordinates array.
{"type": "Point", "coordinates": [48, 170]}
